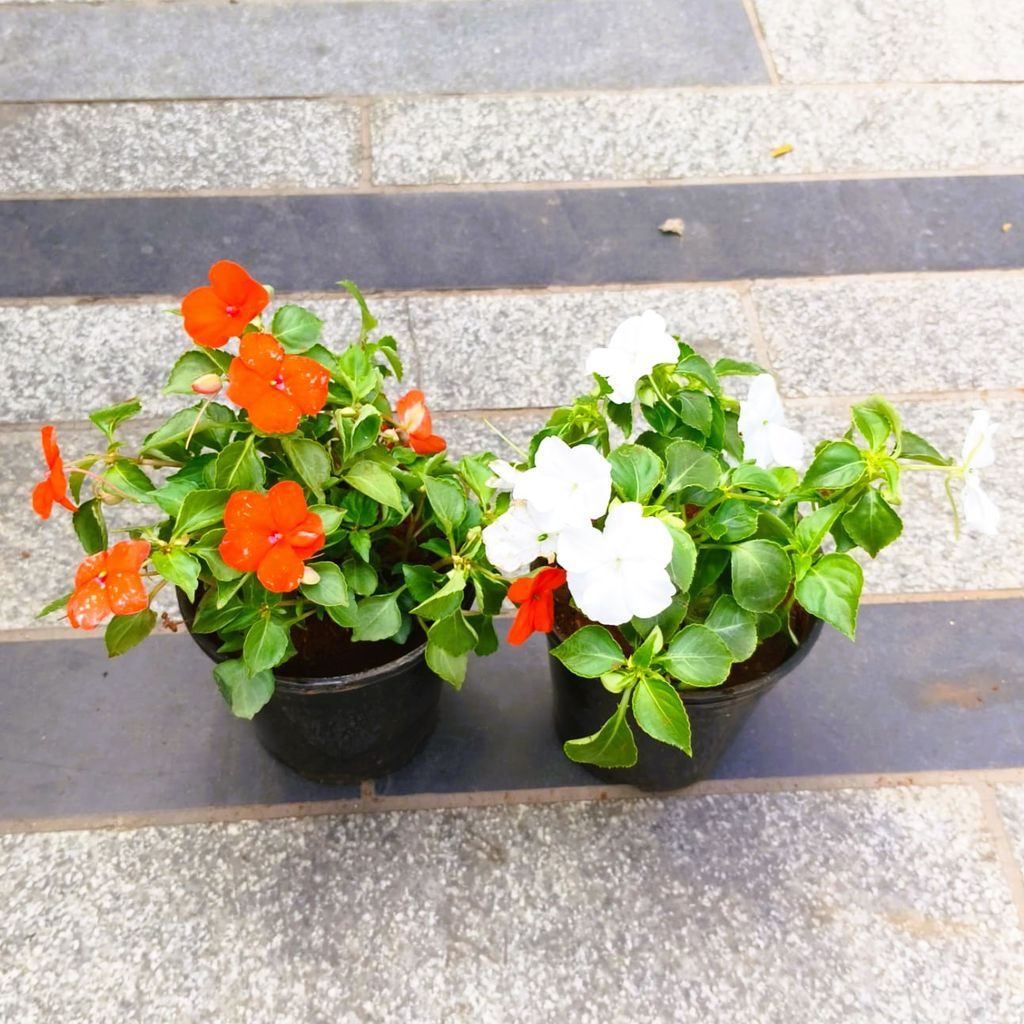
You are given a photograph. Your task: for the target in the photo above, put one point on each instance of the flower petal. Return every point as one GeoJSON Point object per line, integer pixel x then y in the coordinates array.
{"type": "Point", "coordinates": [305, 380]}
{"type": "Point", "coordinates": [980, 512]}
{"type": "Point", "coordinates": [205, 320]}
{"type": "Point", "coordinates": [42, 499]}
{"type": "Point", "coordinates": [522, 625]}
{"type": "Point", "coordinates": [245, 386]}
{"type": "Point", "coordinates": [599, 595]}
{"type": "Point", "coordinates": [234, 285]}
{"type": "Point", "coordinates": [126, 593]}
{"type": "Point", "coordinates": [581, 548]}
{"type": "Point", "coordinates": [281, 570]}
{"type": "Point", "coordinates": [244, 549]}
{"type": "Point", "coordinates": [248, 510]}
{"type": "Point", "coordinates": [90, 568]}
{"type": "Point", "coordinates": [647, 592]}
{"type": "Point", "coordinates": [128, 556]}
{"type": "Point", "coordinates": [88, 606]}
{"type": "Point", "coordinates": [274, 413]}
{"type": "Point", "coordinates": [287, 505]}
{"type": "Point", "coordinates": [426, 445]}
{"type": "Point", "coordinates": [263, 354]}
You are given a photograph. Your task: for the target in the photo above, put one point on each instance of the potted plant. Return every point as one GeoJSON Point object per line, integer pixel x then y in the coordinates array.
{"type": "Point", "coordinates": [681, 572]}
{"type": "Point", "coordinates": [324, 548]}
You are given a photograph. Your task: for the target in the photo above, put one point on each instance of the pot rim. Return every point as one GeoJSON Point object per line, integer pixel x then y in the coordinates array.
{"type": "Point", "coordinates": [307, 685]}
{"type": "Point", "coordinates": [721, 693]}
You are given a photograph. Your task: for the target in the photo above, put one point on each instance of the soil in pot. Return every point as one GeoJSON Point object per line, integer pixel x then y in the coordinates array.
{"type": "Point", "coordinates": [343, 711]}
{"type": "Point", "coordinates": [716, 715]}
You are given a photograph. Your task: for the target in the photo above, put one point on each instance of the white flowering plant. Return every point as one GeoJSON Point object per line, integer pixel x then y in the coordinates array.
{"type": "Point", "coordinates": [662, 559]}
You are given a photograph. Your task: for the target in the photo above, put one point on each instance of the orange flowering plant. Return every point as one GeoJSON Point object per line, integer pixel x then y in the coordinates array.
{"type": "Point", "coordinates": [306, 494]}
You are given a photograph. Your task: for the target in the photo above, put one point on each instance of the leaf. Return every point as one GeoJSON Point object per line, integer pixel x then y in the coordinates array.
{"type": "Point", "coordinates": [200, 509]}
{"type": "Point", "coordinates": [191, 477]}
{"type": "Point", "coordinates": [377, 618]}
{"type": "Point", "coordinates": [445, 600]}
{"type": "Point", "coordinates": [90, 526]}
{"type": "Point", "coordinates": [195, 363]}
{"type": "Point", "coordinates": [110, 418]}
{"type": "Point", "coordinates": [636, 471]}
{"type": "Point", "coordinates": [659, 711]}
{"type": "Point", "coordinates": [126, 478]}
{"type": "Point", "coordinates": [612, 746]}
{"type": "Point", "coordinates": [872, 522]}
{"type": "Point", "coordinates": [735, 626]}
{"type": "Point", "coordinates": [837, 464]}
{"type": "Point", "coordinates": [917, 449]}
{"type": "Point", "coordinates": [450, 667]}
{"type": "Point", "coordinates": [365, 430]}
{"type": "Point", "coordinates": [699, 369]}
{"type": "Point", "coordinates": [238, 467]}
{"type": "Point", "coordinates": [310, 461]}
{"type": "Point", "coordinates": [737, 368]}
{"type": "Point", "coordinates": [694, 409]}
{"type": "Point", "coordinates": [688, 465]}
{"type": "Point", "coordinates": [876, 419]}
{"type": "Point", "coordinates": [55, 605]}
{"type": "Point", "coordinates": [332, 588]}
{"type": "Point", "coordinates": [244, 693]}
{"type": "Point", "coordinates": [178, 567]}
{"type": "Point", "coordinates": [375, 482]}
{"type": "Point", "coordinates": [813, 528]}
{"type": "Point", "coordinates": [202, 425]}
{"type": "Point", "coordinates": [448, 502]}
{"type": "Point", "coordinates": [421, 581]}
{"type": "Point", "coordinates": [761, 574]}
{"type": "Point", "coordinates": [330, 516]}
{"type": "Point", "coordinates": [753, 478]}
{"type": "Point", "coordinates": [453, 633]}
{"type": "Point", "coordinates": [369, 321]}
{"type": "Point", "coordinates": [296, 328]}
{"type": "Point", "coordinates": [831, 591]}
{"type": "Point", "coordinates": [266, 642]}
{"type": "Point", "coordinates": [733, 520]}
{"type": "Point", "coordinates": [361, 578]}
{"type": "Point", "coordinates": [124, 632]}
{"type": "Point", "coordinates": [684, 553]}
{"type": "Point", "coordinates": [208, 549]}
{"type": "Point", "coordinates": [697, 657]}
{"type": "Point", "coordinates": [590, 652]}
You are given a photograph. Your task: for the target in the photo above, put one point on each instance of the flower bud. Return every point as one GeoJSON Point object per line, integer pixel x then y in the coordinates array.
{"type": "Point", "coordinates": [310, 576]}
{"type": "Point", "coordinates": [208, 384]}
{"type": "Point", "coordinates": [106, 494]}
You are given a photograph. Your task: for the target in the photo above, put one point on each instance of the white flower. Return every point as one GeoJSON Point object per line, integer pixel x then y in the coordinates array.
{"type": "Point", "coordinates": [620, 573]}
{"type": "Point", "coordinates": [515, 539]}
{"type": "Point", "coordinates": [567, 486]}
{"type": "Point", "coordinates": [505, 475]}
{"type": "Point", "coordinates": [766, 438]}
{"type": "Point", "coordinates": [637, 346]}
{"type": "Point", "coordinates": [980, 511]}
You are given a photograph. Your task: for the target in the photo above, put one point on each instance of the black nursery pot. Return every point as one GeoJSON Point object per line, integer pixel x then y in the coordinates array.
{"type": "Point", "coordinates": [336, 726]}
{"type": "Point", "coordinates": [582, 706]}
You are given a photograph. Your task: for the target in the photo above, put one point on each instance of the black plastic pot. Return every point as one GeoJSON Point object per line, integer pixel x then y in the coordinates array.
{"type": "Point", "coordinates": [344, 727]}
{"type": "Point", "coordinates": [582, 706]}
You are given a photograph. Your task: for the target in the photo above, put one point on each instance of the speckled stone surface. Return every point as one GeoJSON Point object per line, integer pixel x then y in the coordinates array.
{"type": "Point", "coordinates": [697, 134]}
{"type": "Point", "coordinates": [1010, 799]}
{"type": "Point", "coordinates": [941, 333]}
{"type": "Point", "coordinates": [816, 908]}
{"type": "Point", "coordinates": [528, 350]}
{"type": "Point", "coordinates": [882, 40]}
{"type": "Point", "coordinates": [142, 51]}
{"type": "Point", "coordinates": [926, 557]}
{"type": "Point", "coordinates": [139, 147]}
{"type": "Point", "coordinates": [71, 359]}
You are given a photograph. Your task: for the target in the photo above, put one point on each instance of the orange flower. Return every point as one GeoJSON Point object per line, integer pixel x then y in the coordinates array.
{"type": "Point", "coordinates": [273, 388]}
{"type": "Point", "coordinates": [220, 311]}
{"type": "Point", "coordinates": [414, 426]}
{"type": "Point", "coordinates": [109, 584]}
{"type": "Point", "coordinates": [271, 534]}
{"type": "Point", "coordinates": [54, 488]}
{"type": "Point", "coordinates": [536, 599]}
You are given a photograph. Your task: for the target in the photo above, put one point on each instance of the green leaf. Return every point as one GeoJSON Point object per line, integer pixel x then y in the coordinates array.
{"type": "Point", "coordinates": [195, 363]}
{"type": "Point", "coordinates": [667, 620]}
{"type": "Point", "coordinates": [688, 465]}
{"type": "Point", "coordinates": [445, 600]}
{"type": "Point", "coordinates": [735, 626]}
{"type": "Point", "coordinates": [208, 549]}
{"type": "Point", "coordinates": [365, 430]}
{"type": "Point", "coordinates": [737, 368]}
{"type": "Point", "coordinates": [697, 657]}
{"type": "Point", "coordinates": [124, 632]}
{"type": "Point", "coordinates": [612, 746]}
{"type": "Point", "coordinates": [361, 578]}
{"type": "Point", "coordinates": [375, 482]}
{"type": "Point", "coordinates": [330, 516]}
{"type": "Point", "coordinates": [191, 477]}
{"type": "Point", "coordinates": [421, 581]}
{"type": "Point", "coordinates": [55, 605]}
{"type": "Point", "coordinates": [296, 328]}
{"type": "Point", "coordinates": [761, 574]}
{"type": "Point", "coordinates": [238, 467]}
{"type": "Point", "coordinates": [110, 418]}
{"type": "Point", "coordinates": [872, 522]}
{"type": "Point", "coordinates": [213, 619]}
{"type": "Point", "coordinates": [487, 638]}
{"type": "Point", "coordinates": [448, 502]}
{"type": "Point", "coordinates": [876, 419]}
{"type": "Point", "coordinates": [813, 528]}
{"type": "Point", "coordinates": [645, 653]}
{"type": "Point", "coordinates": [831, 591]}
{"type": "Point", "coordinates": [244, 693]}
{"type": "Point", "coordinates": [202, 425]}
{"type": "Point", "coordinates": [200, 509]}
{"type": "Point", "coordinates": [733, 520]}
{"type": "Point", "coordinates": [917, 449]}
{"type": "Point", "coordinates": [450, 667]}
{"type": "Point", "coordinates": [453, 633]}
{"type": "Point", "coordinates": [377, 618]}
{"type": "Point", "coordinates": [636, 471]}
{"type": "Point", "coordinates": [332, 588]}
{"type": "Point", "coordinates": [621, 414]}
{"type": "Point", "coordinates": [126, 478]}
{"type": "Point", "coordinates": [699, 369]}
{"type": "Point", "coordinates": [694, 409]}
{"type": "Point", "coordinates": [266, 642]}
{"type": "Point", "coordinates": [369, 321]}
{"type": "Point", "coordinates": [752, 477]}
{"type": "Point", "coordinates": [590, 652]}
{"type": "Point", "coordinates": [90, 526]}
{"type": "Point", "coordinates": [310, 461]}
{"type": "Point", "coordinates": [837, 464]}
{"type": "Point", "coordinates": [684, 553]}
{"type": "Point", "coordinates": [659, 711]}
{"type": "Point", "coordinates": [178, 567]}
